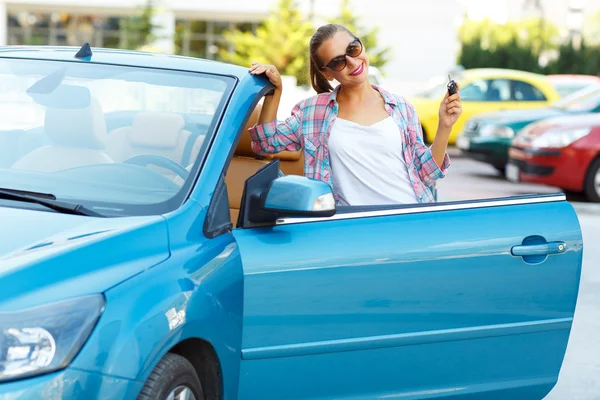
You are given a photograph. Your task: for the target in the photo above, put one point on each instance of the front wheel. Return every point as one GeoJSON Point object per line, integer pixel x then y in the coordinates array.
{"type": "Point", "coordinates": [592, 182]}
{"type": "Point", "coordinates": [174, 378]}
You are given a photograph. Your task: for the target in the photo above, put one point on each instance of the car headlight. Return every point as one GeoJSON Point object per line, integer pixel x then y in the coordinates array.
{"type": "Point", "coordinates": [46, 338]}
{"type": "Point", "coordinates": [499, 131]}
{"type": "Point", "coordinates": [559, 138]}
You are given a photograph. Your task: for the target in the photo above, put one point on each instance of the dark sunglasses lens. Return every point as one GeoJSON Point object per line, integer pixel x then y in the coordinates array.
{"type": "Point", "coordinates": [337, 64]}
{"type": "Point", "coordinates": [354, 49]}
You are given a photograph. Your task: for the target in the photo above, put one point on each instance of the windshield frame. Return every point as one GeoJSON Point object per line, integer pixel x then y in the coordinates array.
{"type": "Point", "coordinates": [186, 189]}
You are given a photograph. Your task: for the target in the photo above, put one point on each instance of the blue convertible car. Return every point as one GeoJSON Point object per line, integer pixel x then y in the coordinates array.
{"type": "Point", "coordinates": [147, 253]}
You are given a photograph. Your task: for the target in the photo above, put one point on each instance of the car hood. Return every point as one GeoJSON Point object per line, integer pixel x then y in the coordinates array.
{"type": "Point", "coordinates": [518, 117]}
{"type": "Point", "coordinates": [569, 121]}
{"type": "Point", "coordinates": [47, 256]}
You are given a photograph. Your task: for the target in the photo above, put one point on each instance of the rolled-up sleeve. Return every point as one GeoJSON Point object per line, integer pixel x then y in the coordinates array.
{"type": "Point", "coordinates": [428, 169]}
{"type": "Point", "coordinates": [276, 136]}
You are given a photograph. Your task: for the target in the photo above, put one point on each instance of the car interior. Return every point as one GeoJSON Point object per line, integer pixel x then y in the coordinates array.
{"type": "Point", "coordinates": [246, 162]}
{"type": "Point", "coordinates": [87, 142]}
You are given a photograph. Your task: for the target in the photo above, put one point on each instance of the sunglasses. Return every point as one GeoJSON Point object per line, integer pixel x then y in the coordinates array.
{"type": "Point", "coordinates": [339, 63]}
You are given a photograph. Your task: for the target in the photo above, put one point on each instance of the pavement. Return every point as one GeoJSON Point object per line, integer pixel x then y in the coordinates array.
{"type": "Point", "coordinates": [580, 374]}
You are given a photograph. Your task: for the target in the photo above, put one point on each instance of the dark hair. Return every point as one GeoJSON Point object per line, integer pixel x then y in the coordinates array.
{"type": "Point", "coordinates": [323, 34]}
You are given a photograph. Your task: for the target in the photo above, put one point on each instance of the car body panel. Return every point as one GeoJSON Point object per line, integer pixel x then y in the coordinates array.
{"type": "Point", "coordinates": [427, 109]}
{"type": "Point", "coordinates": [566, 167]}
{"type": "Point", "coordinates": [370, 311]}
{"type": "Point", "coordinates": [201, 282]}
{"type": "Point", "coordinates": [68, 256]}
{"type": "Point", "coordinates": [384, 306]}
{"type": "Point", "coordinates": [71, 383]}
{"type": "Point", "coordinates": [131, 58]}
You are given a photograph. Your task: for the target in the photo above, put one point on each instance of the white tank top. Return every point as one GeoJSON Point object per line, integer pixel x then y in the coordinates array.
{"type": "Point", "coordinates": [367, 164]}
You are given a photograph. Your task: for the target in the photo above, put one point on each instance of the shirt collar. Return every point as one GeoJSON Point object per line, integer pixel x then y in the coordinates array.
{"type": "Point", "coordinates": [387, 96]}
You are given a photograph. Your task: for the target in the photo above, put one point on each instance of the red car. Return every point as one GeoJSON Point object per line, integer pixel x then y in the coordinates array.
{"type": "Point", "coordinates": [562, 152]}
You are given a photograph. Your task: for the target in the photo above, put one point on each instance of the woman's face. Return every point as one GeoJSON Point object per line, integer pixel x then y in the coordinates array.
{"type": "Point", "coordinates": [336, 49]}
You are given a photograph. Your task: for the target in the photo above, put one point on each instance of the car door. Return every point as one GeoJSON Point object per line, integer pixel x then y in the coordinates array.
{"type": "Point", "coordinates": [459, 299]}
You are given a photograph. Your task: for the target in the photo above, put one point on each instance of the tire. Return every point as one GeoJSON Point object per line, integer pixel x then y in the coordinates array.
{"type": "Point", "coordinates": [171, 373]}
{"type": "Point", "coordinates": [592, 182]}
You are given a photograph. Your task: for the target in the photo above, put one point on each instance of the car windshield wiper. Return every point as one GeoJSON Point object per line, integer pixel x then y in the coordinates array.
{"type": "Point", "coordinates": [47, 200]}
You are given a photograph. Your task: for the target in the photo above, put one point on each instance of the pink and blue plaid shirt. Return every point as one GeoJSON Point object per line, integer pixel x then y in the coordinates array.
{"type": "Point", "coordinates": [310, 124]}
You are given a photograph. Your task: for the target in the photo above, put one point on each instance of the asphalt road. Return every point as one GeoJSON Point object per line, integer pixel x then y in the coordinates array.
{"type": "Point", "coordinates": [580, 374]}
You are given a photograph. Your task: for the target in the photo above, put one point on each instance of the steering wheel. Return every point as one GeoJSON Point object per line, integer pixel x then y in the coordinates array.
{"type": "Point", "coordinates": [160, 161]}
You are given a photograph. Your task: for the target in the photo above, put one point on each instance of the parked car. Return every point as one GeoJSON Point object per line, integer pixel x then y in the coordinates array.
{"type": "Point", "coordinates": [487, 137]}
{"type": "Point", "coordinates": [485, 90]}
{"type": "Point", "coordinates": [567, 84]}
{"type": "Point", "coordinates": [165, 259]}
{"type": "Point", "coordinates": [562, 152]}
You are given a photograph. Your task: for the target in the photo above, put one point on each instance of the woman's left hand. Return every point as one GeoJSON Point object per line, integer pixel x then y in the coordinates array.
{"type": "Point", "coordinates": [450, 108]}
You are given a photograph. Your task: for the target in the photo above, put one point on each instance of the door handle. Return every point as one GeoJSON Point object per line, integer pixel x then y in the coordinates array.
{"type": "Point", "coordinates": [538, 249]}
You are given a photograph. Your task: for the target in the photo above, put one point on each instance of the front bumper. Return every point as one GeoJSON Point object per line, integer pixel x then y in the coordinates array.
{"type": "Point", "coordinates": [560, 168]}
{"type": "Point", "coordinates": [491, 150]}
{"type": "Point", "coordinates": [71, 384]}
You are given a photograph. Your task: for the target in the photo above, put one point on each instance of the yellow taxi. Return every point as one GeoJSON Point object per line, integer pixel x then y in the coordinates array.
{"type": "Point", "coordinates": [485, 90]}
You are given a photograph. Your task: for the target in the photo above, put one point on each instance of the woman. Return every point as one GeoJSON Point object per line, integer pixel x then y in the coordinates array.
{"type": "Point", "coordinates": [365, 142]}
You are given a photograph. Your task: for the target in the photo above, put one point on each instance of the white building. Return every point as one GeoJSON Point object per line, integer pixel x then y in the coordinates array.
{"type": "Point", "coordinates": [422, 34]}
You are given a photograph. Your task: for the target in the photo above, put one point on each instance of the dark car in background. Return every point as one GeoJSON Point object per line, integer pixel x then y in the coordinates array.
{"type": "Point", "coordinates": [487, 137]}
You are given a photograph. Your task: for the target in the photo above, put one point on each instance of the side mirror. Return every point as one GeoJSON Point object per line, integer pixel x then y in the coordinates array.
{"type": "Point", "coordinates": [298, 196]}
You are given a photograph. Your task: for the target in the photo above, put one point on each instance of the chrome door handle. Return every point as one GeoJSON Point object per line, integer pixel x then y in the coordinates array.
{"type": "Point", "coordinates": [539, 249]}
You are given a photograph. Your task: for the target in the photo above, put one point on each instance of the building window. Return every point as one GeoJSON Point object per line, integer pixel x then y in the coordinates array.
{"type": "Point", "coordinates": [63, 29]}
{"type": "Point", "coordinates": [204, 39]}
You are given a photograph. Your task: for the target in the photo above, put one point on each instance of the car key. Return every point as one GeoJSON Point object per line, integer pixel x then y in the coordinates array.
{"type": "Point", "coordinates": [451, 86]}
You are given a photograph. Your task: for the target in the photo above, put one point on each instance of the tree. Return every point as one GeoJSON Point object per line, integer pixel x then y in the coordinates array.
{"type": "Point", "coordinates": [378, 57]}
{"type": "Point", "coordinates": [282, 40]}
{"type": "Point", "coordinates": [139, 28]}
{"type": "Point", "coordinates": [516, 45]}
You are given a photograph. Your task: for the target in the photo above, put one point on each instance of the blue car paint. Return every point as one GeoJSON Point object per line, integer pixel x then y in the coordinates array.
{"type": "Point", "coordinates": [71, 383]}
{"type": "Point", "coordinates": [46, 256]}
{"type": "Point", "coordinates": [369, 306]}
{"type": "Point", "coordinates": [295, 193]}
{"type": "Point", "coordinates": [436, 309]}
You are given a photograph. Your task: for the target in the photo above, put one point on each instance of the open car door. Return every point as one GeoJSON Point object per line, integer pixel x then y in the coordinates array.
{"type": "Point", "coordinates": [470, 299]}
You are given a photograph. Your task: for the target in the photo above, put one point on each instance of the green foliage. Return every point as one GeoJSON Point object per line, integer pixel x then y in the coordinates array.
{"type": "Point", "coordinates": [585, 60]}
{"type": "Point", "coordinates": [516, 45]}
{"type": "Point", "coordinates": [139, 28]}
{"type": "Point", "coordinates": [520, 45]}
{"type": "Point", "coordinates": [378, 57]}
{"type": "Point", "coordinates": [282, 40]}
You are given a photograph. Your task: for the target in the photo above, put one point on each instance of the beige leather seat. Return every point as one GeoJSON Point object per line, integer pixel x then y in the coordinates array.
{"type": "Point", "coordinates": [245, 163]}
{"type": "Point", "coordinates": [78, 137]}
{"type": "Point", "coordinates": [155, 133]}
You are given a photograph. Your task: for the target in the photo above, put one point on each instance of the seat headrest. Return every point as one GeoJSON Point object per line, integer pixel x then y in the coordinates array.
{"type": "Point", "coordinates": [156, 129]}
{"type": "Point", "coordinates": [81, 127]}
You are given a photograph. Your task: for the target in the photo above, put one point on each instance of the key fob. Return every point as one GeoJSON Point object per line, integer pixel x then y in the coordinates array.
{"type": "Point", "coordinates": [451, 86]}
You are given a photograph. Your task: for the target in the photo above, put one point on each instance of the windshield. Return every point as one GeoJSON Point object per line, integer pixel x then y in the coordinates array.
{"type": "Point", "coordinates": [119, 140]}
{"type": "Point", "coordinates": [585, 100]}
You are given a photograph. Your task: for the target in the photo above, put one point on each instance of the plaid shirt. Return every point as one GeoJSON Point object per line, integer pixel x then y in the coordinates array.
{"type": "Point", "coordinates": [310, 124]}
